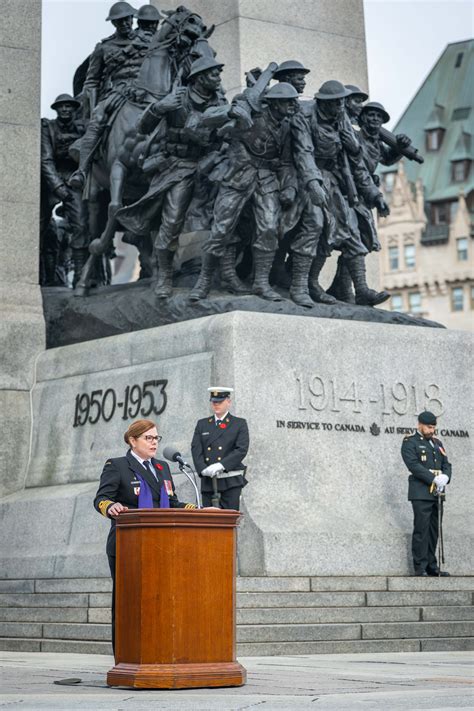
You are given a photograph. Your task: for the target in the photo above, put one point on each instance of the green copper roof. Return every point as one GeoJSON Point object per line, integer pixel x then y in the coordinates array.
{"type": "Point", "coordinates": [445, 100]}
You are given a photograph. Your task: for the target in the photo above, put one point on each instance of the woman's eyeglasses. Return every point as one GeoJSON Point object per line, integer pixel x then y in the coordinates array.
{"type": "Point", "coordinates": [153, 438]}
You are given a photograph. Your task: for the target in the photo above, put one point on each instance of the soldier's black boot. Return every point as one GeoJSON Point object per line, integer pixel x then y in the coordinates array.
{"type": "Point", "coordinates": [279, 274]}
{"type": "Point", "coordinates": [299, 290]}
{"type": "Point", "coordinates": [316, 291]}
{"type": "Point", "coordinates": [263, 263]}
{"type": "Point", "coordinates": [364, 296]}
{"type": "Point", "coordinates": [79, 259]}
{"type": "Point", "coordinates": [164, 284]}
{"type": "Point", "coordinates": [341, 287]}
{"type": "Point", "coordinates": [229, 279]}
{"type": "Point", "coordinates": [203, 285]}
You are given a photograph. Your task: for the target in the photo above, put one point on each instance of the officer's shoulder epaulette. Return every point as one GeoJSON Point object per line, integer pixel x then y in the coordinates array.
{"type": "Point", "coordinates": [408, 437]}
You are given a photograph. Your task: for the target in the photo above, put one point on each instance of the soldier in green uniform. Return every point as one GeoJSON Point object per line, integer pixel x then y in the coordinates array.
{"type": "Point", "coordinates": [430, 472]}
{"type": "Point", "coordinates": [220, 444]}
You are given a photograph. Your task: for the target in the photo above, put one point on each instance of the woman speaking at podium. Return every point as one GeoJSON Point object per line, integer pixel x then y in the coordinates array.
{"type": "Point", "coordinates": [136, 481]}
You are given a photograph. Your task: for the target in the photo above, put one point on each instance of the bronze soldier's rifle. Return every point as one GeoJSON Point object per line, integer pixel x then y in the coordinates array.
{"type": "Point", "coordinates": [409, 152]}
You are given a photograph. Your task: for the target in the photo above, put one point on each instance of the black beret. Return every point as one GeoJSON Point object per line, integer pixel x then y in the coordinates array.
{"type": "Point", "coordinates": [427, 418]}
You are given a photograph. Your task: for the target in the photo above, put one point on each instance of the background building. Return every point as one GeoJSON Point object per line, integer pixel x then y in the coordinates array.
{"type": "Point", "coordinates": [427, 260]}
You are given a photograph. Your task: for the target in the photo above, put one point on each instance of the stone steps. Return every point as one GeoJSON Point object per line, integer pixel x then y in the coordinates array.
{"type": "Point", "coordinates": [275, 615]}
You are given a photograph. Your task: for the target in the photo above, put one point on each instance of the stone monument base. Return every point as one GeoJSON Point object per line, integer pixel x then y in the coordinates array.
{"type": "Point", "coordinates": [328, 403]}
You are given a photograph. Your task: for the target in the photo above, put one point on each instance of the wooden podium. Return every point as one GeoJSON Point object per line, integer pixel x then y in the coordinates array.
{"type": "Point", "coordinates": [175, 600]}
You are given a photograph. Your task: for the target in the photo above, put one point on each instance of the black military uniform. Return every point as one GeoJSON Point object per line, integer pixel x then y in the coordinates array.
{"type": "Point", "coordinates": [119, 483]}
{"type": "Point", "coordinates": [425, 458]}
{"type": "Point", "coordinates": [221, 441]}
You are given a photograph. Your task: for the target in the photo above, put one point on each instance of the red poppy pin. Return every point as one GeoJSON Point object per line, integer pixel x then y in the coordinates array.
{"type": "Point", "coordinates": [158, 466]}
{"type": "Point", "coordinates": [223, 425]}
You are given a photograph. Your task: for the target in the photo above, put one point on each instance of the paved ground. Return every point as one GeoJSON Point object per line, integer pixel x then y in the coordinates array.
{"type": "Point", "coordinates": [386, 682]}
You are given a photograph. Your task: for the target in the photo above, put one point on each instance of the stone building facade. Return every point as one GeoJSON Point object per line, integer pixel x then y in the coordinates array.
{"type": "Point", "coordinates": [427, 257]}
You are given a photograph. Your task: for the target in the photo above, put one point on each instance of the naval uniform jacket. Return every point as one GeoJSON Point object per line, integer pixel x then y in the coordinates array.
{"type": "Point", "coordinates": [228, 445]}
{"type": "Point", "coordinates": [119, 483]}
{"type": "Point", "coordinates": [420, 457]}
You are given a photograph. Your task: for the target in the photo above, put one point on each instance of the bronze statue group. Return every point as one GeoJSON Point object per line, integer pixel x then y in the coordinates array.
{"type": "Point", "coordinates": [149, 146]}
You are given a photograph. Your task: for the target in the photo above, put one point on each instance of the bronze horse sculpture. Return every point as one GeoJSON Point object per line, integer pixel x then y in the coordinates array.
{"type": "Point", "coordinates": [117, 169]}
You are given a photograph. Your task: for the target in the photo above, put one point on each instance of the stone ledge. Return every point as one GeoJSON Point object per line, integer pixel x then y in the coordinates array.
{"type": "Point", "coordinates": [297, 633]}
{"type": "Point", "coordinates": [70, 319]}
{"type": "Point", "coordinates": [400, 630]}
{"type": "Point", "coordinates": [305, 599]}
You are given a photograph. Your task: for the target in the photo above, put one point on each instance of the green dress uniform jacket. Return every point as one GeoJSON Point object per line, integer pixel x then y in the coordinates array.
{"type": "Point", "coordinates": [420, 457]}
{"type": "Point", "coordinates": [119, 483]}
{"type": "Point", "coordinates": [228, 445]}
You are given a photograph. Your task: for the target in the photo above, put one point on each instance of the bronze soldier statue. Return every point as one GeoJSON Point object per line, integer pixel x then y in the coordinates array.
{"type": "Point", "coordinates": [370, 118]}
{"type": "Point", "coordinates": [257, 168]}
{"type": "Point", "coordinates": [113, 66]}
{"type": "Point", "coordinates": [186, 119]}
{"type": "Point", "coordinates": [57, 165]}
{"type": "Point", "coordinates": [148, 18]}
{"type": "Point", "coordinates": [337, 155]}
{"type": "Point", "coordinates": [341, 287]}
{"type": "Point", "coordinates": [302, 218]}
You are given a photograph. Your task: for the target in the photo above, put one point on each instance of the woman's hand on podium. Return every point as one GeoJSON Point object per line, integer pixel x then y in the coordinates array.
{"type": "Point", "coordinates": [116, 508]}
{"type": "Point", "coordinates": [210, 508]}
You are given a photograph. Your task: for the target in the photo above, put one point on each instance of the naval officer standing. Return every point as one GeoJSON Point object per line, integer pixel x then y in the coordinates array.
{"type": "Point", "coordinates": [220, 444]}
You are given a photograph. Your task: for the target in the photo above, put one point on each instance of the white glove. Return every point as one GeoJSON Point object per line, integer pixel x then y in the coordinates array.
{"type": "Point", "coordinates": [440, 480]}
{"type": "Point", "coordinates": [213, 469]}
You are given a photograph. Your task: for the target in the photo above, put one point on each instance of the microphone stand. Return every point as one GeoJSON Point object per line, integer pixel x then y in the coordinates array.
{"type": "Point", "coordinates": [182, 468]}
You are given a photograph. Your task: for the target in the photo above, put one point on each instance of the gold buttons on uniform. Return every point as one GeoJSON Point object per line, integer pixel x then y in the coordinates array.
{"type": "Point", "coordinates": [218, 459]}
{"type": "Point", "coordinates": [207, 459]}
{"type": "Point", "coordinates": [219, 447]}
{"type": "Point", "coordinates": [209, 448]}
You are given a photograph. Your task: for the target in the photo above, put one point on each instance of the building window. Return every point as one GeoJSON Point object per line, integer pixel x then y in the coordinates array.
{"type": "Point", "coordinates": [414, 302]}
{"type": "Point", "coordinates": [472, 297]}
{"type": "Point", "coordinates": [458, 60]}
{"type": "Point", "coordinates": [393, 258]}
{"type": "Point", "coordinates": [433, 139]}
{"type": "Point", "coordinates": [409, 254]}
{"type": "Point", "coordinates": [440, 213]}
{"type": "Point", "coordinates": [397, 302]}
{"type": "Point", "coordinates": [459, 170]}
{"type": "Point", "coordinates": [461, 247]}
{"type": "Point", "coordinates": [457, 299]}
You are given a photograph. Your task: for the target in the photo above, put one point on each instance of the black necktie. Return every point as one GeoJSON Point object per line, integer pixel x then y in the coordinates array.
{"type": "Point", "coordinates": [218, 422]}
{"type": "Point", "coordinates": [148, 465]}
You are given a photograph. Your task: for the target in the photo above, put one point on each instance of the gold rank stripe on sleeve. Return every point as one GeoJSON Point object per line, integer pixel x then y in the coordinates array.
{"type": "Point", "coordinates": [103, 506]}
{"type": "Point", "coordinates": [189, 506]}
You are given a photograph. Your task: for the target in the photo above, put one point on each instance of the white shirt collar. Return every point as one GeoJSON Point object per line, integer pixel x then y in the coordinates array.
{"type": "Point", "coordinates": [138, 458]}
{"type": "Point", "coordinates": [221, 418]}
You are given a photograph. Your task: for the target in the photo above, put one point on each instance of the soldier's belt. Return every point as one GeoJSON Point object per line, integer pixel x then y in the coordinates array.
{"type": "Point", "coordinates": [263, 163]}
{"type": "Point", "coordinates": [227, 475]}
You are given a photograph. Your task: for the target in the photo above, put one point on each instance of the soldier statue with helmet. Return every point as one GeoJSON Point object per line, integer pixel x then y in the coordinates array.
{"type": "Point", "coordinates": [345, 178]}
{"type": "Point", "coordinates": [113, 66]}
{"type": "Point", "coordinates": [188, 118]}
{"type": "Point", "coordinates": [257, 168]}
{"type": "Point", "coordinates": [148, 18]}
{"type": "Point", "coordinates": [57, 165]}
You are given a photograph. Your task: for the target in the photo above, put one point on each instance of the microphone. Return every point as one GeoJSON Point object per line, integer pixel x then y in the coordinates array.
{"type": "Point", "coordinates": [173, 455]}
